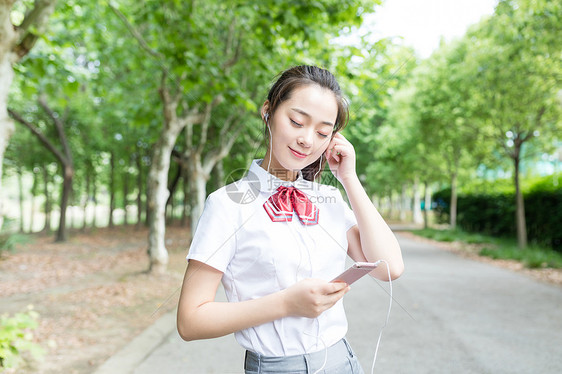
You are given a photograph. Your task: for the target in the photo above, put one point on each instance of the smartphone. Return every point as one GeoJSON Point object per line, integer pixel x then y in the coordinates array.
{"type": "Point", "coordinates": [356, 271]}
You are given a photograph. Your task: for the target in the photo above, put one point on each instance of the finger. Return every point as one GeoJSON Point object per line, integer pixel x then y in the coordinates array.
{"type": "Point", "coordinates": [343, 291]}
{"type": "Point", "coordinates": [340, 149]}
{"type": "Point", "coordinates": [337, 281]}
{"type": "Point", "coordinates": [340, 136]}
{"type": "Point", "coordinates": [330, 153]}
{"type": "Point", "coordinates": [334, 297]}
{"type": "Point", "coordinates": [341, 141]}
{"type": "Point", "coordinates": [329, 150]}
{"type": "Point", "coordinates": [334, 287]}
{"type": "Point", "coordinates": [337, 150]}
{"type": "Point", "coordinates": [334, 142]}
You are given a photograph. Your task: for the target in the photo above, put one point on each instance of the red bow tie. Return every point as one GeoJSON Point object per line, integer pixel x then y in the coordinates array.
{"type": "Point", "coordinates": [281, 204]}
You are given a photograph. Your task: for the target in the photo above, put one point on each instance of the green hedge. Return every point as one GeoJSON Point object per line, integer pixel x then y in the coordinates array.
{"type": "Point", "coordinates": [494, 214]}
{"type": "Point", "coordinates": [16, 338]}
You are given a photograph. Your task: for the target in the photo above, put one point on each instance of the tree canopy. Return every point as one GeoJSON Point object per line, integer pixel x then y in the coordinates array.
{"type": "Point", "coordinates": [152, 104]}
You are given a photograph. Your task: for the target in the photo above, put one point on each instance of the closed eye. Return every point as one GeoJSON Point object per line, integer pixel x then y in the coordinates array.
{"type": "Point", "coordinates": [299, 125]}
{"type": "Point", "coordinates": [296, 123]}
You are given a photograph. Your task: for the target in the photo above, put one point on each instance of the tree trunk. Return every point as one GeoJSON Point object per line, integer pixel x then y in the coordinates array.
{"type": "Point", "coordinates": [33, 201]}
{"type": "Point", "coordinates": [6, 76]}
{"type": "Point", "coordinates": [453, 209]}
{"type": "Point", "coordinates": [170, 203]}
{"type": "Point", "coordinates": [219, 174]}
{"type": "Point", "coordinates": [111, 188]}
{"type": "Point", "coordinates": [170, 209]}
{"type": "Point", "coordinates": [68, 173]}
{"type": "Point", "coordinates": [417, 213]}
{"type": "Point", "coordinates": [158, 195]}
{"type": "Point", "coordinates": [146, 204]}
{"type": "Point", "coordinates": [94, 200]}
{"type": "Point", "coordinates": [185, 207]}
{"type": "Point", "coordinates": [69, 214]}
{"type": "Point", "coordinates": [64, 158]}
{"type": "Point", "coordinates": [199, 167]}
{"type": "Point", "coordinates": [426, 205]}
{"type": "Point", "coordinates": [70, 210]}
{"type": "Point", "coordinates": [385, 206]}
{"type": "Point", "coordinates": [147, 195]}
{"type": "Point", "coordinates": [125, 194]}
{"type": "Point", "coordinates": [47, 226]}
{"type": "Point", "coordinates": [520, 206]}
{"type": "Point", "coordinates": [198, 179]}
{"type": "Point", "coordinates": [21, 199]}
{"type": "Point", "coordinates": [157, 183]}
{"type": "Point", "coordinates": [173, 208]}
{"type": "Point", "coordinates": [200, 192]}
{"type": "Point", "coordinates": [14, 44]}
{"type": "Point", "coordinates": [403, 203]}
{"type": "Point", "coordinates": [86, 203]}
{"type": "Point", "coordinates": [390, 198]}
{"type": "Point", "coordinates": [139, 187]}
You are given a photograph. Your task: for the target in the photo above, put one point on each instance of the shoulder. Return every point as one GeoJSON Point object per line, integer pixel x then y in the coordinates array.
{"type": "Point", "coordinates": [220, 199]}
{"type": "Point", "coordinates": [229, 199]}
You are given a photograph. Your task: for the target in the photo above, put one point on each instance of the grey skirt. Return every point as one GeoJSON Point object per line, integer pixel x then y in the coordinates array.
{"type": "Point", "coordinates": [340, 359]}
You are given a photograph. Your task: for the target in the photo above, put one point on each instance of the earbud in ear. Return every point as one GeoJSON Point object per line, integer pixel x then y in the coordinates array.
{"type": "Point", "coordinates": [266, 118]}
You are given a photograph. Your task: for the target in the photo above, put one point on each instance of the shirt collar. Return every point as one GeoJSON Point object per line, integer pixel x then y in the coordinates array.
{"type": "Point", "coordinates": [270, 183]}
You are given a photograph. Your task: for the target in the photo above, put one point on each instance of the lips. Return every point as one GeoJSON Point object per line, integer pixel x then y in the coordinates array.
{"type": "Point", "coordinates": [297, 154]}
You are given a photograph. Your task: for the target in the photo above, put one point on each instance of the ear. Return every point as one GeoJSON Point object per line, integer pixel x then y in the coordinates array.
{"type": "Point", "coordinates": [265, 111]}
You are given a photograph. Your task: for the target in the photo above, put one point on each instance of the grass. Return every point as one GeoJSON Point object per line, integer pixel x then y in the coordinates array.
{"type": "Point", "coordinates": [454, 236]}
{"type": "Point", "coordinates": [8, 241]}
{"type": "Point", "coordinates": [533, 256]}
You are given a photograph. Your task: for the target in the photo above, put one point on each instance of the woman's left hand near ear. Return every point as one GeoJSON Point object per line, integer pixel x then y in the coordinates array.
{"type": "Point", "coordinates": [341, 158]}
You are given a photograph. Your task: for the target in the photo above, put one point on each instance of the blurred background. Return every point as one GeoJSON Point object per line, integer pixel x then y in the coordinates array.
{"type": "Point", "coordinates": [125, 115]}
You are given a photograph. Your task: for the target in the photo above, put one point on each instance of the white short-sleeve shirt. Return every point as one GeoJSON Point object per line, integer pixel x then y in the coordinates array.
{"type": "Point", "coordinates": [259, 257]}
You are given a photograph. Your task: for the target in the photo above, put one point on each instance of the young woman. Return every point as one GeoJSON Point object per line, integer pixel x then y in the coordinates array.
{"type": "Point", "coordinates": [277, 248]}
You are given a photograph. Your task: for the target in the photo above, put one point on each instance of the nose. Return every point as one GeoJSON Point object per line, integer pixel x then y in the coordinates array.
{"type": "Point", "coordinates": [305, 138]}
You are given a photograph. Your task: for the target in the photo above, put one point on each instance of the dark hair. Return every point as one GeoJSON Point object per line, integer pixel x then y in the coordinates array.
{"type": "Point", "coordinates": [304, 75]}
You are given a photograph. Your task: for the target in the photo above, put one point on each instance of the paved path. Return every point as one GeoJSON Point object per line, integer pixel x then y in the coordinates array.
{"type": "Point", "coordinates": [451, 315]}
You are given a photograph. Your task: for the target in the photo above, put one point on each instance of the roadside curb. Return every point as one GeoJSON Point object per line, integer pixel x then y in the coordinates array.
{"type": "Point", "coordinates": [128, 358]}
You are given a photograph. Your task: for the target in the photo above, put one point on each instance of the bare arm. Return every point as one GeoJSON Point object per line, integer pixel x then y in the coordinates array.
{"type": "Point", "coordinates": [371, 239]}
{"type": "Point", "coordinates": [200, 317]}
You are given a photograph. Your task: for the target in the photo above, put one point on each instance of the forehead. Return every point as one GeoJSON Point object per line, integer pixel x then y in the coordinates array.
{"type": "Point", "coordinates": [318, 102]}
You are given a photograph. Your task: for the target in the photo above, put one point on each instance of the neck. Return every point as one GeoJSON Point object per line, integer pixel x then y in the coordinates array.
{"type": "Point", "coordinates": [277, 170]}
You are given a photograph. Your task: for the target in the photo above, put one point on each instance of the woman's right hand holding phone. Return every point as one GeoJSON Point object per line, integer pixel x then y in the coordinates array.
{"type": "Point", "coordinates": [311, 297]}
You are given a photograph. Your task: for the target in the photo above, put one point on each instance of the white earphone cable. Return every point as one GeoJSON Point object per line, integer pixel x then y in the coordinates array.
{"type": "Point", "coordinates": [319, 168]}
{"type": "Point", "coordinates": [387, 316]}
{"type": "Point", "coordinates": [300, 261]}
{"type": "Point", "coordinates": [293, 234]}
{"type": "Point", "coordinates": [270, 140]}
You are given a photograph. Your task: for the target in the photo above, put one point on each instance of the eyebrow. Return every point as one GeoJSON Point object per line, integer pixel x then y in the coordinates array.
{"type": "Point", "coordinates": [309, 116]}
